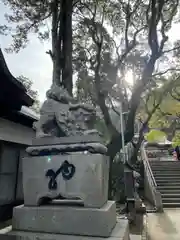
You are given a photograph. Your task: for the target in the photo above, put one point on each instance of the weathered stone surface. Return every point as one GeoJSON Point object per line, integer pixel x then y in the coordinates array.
{"type": "Point", "coordinates": [59, 94]}
{"type": "Point", "coordinates": [66, 220]}
{"type": "Point", "coordinates": [66, 140]}
{"type": "Point", "coordinates": [120, 232]}
{"type": "Point", "coordinates": [60, 149]}
{"type": "Point", "coordinates": [61, 116]}
{"type": "Point", "coordinates": [44, 177]}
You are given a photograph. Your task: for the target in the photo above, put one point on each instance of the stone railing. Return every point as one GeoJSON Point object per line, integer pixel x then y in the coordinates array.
{"type": "Point", "coordinates": [150, 186]}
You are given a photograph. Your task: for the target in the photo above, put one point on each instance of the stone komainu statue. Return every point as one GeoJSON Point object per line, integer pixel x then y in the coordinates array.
{"type": "Point", "coordinates": [62, 116]}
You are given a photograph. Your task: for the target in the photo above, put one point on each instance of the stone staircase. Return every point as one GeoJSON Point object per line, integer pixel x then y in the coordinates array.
{"type": "Point", "coordinates": [167, 177]}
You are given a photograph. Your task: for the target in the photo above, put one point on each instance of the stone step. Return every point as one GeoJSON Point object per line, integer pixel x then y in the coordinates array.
{"type": "Point", "coordinates": [172, 178]}
{"type": "Point", "coordinates": [165, 169]}
{"type": "Point", "coordinates": [161, 177]}
{"type": "Point", "coordinates": [169, 187]}
{"type": "Point", "coordinates": [171, 200]}
{"type": "Point", "coordinates": [169, 191]}
{"type": "Point", "coordinates": [167, 183]}
{"type": "Point", "coordinates": [165, 187]}
{"type": "Point", "coordinates": [157, 177]}
{"type": "Point", "coordinates": [164, 161]}
{"type": "Point", "coordinates": [171, 205]}
{"type": "Point", "coordinates": [169, 174]}
{"type": "Point", "coordinates": [165, 164]}
{"type": "Point", "coordinates": [162, 169]}
{"type": "Point", "coordinates": [168, 180]}
{"type": "Point", "coordinates": [166, 172]}
{"type": "Point", "coordinates": [170, 195]}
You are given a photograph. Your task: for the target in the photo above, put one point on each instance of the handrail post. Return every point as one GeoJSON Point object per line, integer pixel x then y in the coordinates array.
{"type": "Point", "coordinates": [129, 192]}
{"type": "Point", "coordinates": [150, 180]}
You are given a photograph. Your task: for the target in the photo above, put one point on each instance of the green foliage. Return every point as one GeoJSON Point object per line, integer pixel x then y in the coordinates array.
{"type": "Point", "coordinates": [166, 116]}
{"type": "Point", "coordinates": [155, 136]}
{"type": "Point", "coordinates": [27, 17]}
{"type": "Point", "coordinates": [176, 139]}
{"type": "Point", "coordinates": [168, 113]}
{"type": "Point", "coordinates": [158, 121]}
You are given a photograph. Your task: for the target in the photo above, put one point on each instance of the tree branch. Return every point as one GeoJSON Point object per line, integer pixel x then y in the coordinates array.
{"type": "Point", "coordinates": [49, 52]}
{"type": "Point", "coordinates": [75, 2]}
{"type": "Point", "coordinates": [152, 36]}
{"type": "Point", "coordinates": [166, 71]}
{"type": "Point", "coordinates": [127, 12]}
{"type": "Point", "coordinates": [99, 92]}
{"type": "Point", "coordinates": [170, 50]}
{"type": "Point", "coordinates": [164, 113]}
{"type": "Point", "coordinates": [164, 36]}
{"type": "Point", "coordinates": [113, 107]}
{"type": "Point", "coordinates": [177, 98]}
{"type": "Point", "coordinates": [146, 103]}
{"type": "Point", "coordinates": [150, 114]}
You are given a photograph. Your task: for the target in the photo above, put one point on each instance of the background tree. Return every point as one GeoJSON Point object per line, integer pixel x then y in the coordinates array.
{"type": "Point", "coordinates": [109, 38]}
{"type": "Point", "coordinates": [155, 136]}
{"type": "Point", "coordinates": [136, 18]}
{"type": "Point", "coordinates": [35, 17]}
{"type": "Point", "coordinates": [166, 114]}
{"type": "Point", "coordinates": [176, 139]}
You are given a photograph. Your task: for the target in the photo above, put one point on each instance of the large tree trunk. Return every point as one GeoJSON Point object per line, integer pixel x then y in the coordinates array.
{"type": "Point", "coordinates": [56, 43]}
{"type": "Point", "coordinates": [115, 144]}
{"type": "Point", "coordinates": [67, 46]}
{"type": "Point", "coordinates": [62, 43]}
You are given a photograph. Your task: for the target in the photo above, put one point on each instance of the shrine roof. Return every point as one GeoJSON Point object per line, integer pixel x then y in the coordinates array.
{"type": "Point", "coordinates": [13, 94]}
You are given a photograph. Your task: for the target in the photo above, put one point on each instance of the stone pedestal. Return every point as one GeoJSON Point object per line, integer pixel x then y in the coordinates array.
{"type": "Point", "coordinates": [88, 183]}
{"type": "Point", "coordinates": [66, 193]}
{"type": "Point", "coordinates": [66, 220]}
{"type": "Point", "coordinates": [120, 232]}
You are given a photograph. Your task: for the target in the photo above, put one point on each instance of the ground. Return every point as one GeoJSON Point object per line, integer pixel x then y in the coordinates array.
{"type": "Point", "coordinates": [164, 226]}
{"type": "Point", "coordinates": [158, 226]}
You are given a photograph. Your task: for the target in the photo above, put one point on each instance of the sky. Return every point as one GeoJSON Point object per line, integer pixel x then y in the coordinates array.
{"type": "Point", "coordinates": [35, 64]}
{"type": "Point", "coordinates": [32, 62]}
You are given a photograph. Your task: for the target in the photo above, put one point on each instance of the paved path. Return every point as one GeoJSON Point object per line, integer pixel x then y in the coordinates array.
{"type": "Point", "coordinates": [164, 226]}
